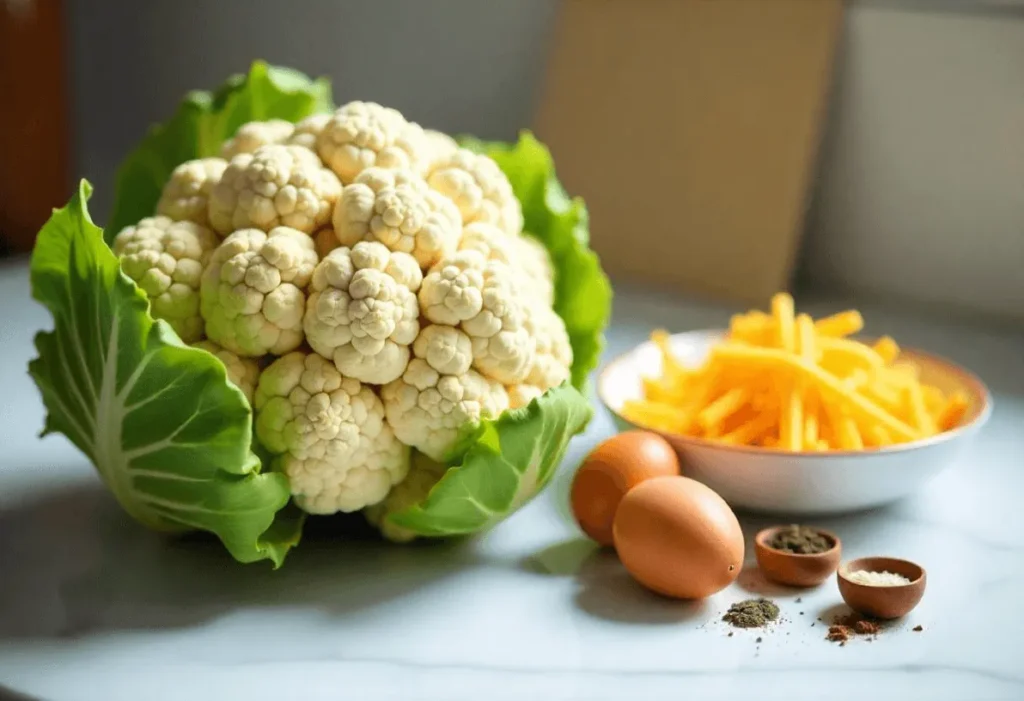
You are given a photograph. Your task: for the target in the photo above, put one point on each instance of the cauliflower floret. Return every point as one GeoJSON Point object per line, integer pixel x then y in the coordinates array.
{"type": "Point", "coordinates": [329, 434]}
{"type": "Point", "coordinates": [325, 241]}
{"type": "Point", "coordinates": [453, 290]}
{"type": "Point", "coordinates": [242, 372]}
{"type": "Point", "coordinates": [525, 253]}
{"type": "Point", "coordinates": [363, 134]}
{"type": "Point", "coordinates": [441, 145]}
{"type": "Point", "coordinates": [166, 259]}
{"type": "Point", "coordinates": [424, 473]}
{"type": "Point", "coordinates": [535, 262]}
{"type": "Point", "coordinates": [362, 311]}
{"type": "Point", "coordinates": [475, 183]}
{"type": "Point", "coordinates": [427, 407]}
{"type": "Point", "coordinates": [445, 348]}
{"type": "Point", "coordinates": [186, 195]}
{"type": "Point", "coordinates": [521, 395]}
{"type": "Point", "coordinates": [308, 131]}
{"type": "Point", "coordinates": [274, 186]}
{"type": "Point", "coordinates": [253, 135]}
{"type": "Point", "coordinates": [485, 300]}
{"type": "Point", "coordinates": [252, 291]}
{"type": "Point", "coordinates": [397, 208]}
{"type": "Point", "coordinates": [490, 242]}
{"type": "Point", "coordinates": [552, 361]}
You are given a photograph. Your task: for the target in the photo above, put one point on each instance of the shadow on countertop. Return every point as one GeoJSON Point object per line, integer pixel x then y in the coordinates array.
{"type": "Point", "coordinates": [604, 589]}
{"type": "Point", "coordinates": [74, 564]}
{"type": "Point", "coordinates": [7, 694]}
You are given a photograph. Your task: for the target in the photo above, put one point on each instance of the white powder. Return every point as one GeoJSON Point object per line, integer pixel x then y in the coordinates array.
{"type": "Point", "coordinates": [877, 579]}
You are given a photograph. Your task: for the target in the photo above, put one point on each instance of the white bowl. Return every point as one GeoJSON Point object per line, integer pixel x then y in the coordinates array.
{"type": "Point", "coordinates": [778, 481]}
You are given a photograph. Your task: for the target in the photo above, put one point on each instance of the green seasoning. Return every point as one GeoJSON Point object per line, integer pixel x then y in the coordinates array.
{"type": "Point", "coordinates": [801, 540]}
{"type": "Point", "coordinates": [752, 613]}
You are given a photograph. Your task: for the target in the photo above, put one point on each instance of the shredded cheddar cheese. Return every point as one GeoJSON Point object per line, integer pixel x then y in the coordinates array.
{"type": "Point", "coordinates": [783, 380]}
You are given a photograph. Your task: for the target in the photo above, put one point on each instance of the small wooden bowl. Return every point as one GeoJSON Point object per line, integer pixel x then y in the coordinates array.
{"type": "Point", "coordinates": [794, 569]}
{"type": "Point", "coordinates": [882, 602]}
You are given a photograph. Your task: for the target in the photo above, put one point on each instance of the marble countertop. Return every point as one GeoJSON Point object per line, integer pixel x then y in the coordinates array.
{"type": "Point", "coordinates": [94, 607]}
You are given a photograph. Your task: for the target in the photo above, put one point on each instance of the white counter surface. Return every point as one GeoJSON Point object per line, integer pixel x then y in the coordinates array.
{"type": "Point", "coordinates": [94, 607]}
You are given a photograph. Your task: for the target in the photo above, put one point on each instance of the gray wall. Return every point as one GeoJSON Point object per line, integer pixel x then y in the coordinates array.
{"type": "Point", "coordinates": [457, 65]}
{"type": "Point", "coordinates": [921, 188]}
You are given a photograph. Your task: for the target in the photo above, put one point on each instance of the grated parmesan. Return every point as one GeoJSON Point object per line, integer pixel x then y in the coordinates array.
{"type": "Point", "coordinates": [877, 579]}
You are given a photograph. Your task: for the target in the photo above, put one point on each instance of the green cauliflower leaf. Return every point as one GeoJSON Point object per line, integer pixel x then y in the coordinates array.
{"type": "Point", "coordinates": [505, 464]}
{"type": "Point", "coordinates": [169, 435]}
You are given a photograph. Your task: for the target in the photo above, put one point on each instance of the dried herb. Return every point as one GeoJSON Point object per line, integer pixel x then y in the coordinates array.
{"type": "Point", "coordinates": [752, 613]}
{"type": "Point", "coordinates": [800, 540]}
{"type": "Point", "coordinates": [918, 629]}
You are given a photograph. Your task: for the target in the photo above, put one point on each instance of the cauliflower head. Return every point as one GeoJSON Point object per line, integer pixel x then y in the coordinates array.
{"type": "Point", "coordinates": [166, 259]}
{"type": "Point", "coordinates": [475, 183]}
{"type": "Point", "coordinates": [308, 131]}
{"type": "Point", "coordinates": [252, 290]}
{"type": "Point", "coordinates": [396, 208]}
{"type": "Point", "coordinates": [362, 311]}
{"type": "Point", "coordinates": [253, 135]}
{"type": "Point", "coordinates": [274, 186]}
{"type": "Point", "coordinates": [363, 134]}
{"type": "Point", "coordinates": [427, 406]}
{"type": "Point", "coordinates": [524, 253]}
{"type": "Point", "coordinates": [329, 434]}
{"type": "Point", "coordinates": [485, 300]}
{"type": "Point", "coordinates": [186, 196]}
{"type": "Point", "coordinates": [242, 372]}
{"type": "Point", "coordinates": [424, 473]}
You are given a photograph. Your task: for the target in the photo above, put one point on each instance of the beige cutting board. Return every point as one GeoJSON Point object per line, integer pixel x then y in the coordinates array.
{"type": "Point", "coordinates": [691, 128]}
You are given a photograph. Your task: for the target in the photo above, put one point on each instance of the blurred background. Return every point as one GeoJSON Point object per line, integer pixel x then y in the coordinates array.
{"type": "Point", "coordinates": [726, 149]}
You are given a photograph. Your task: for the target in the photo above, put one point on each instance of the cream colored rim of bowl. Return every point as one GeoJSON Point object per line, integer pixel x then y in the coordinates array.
{"type": "Point", "coordinates": [979, 391]}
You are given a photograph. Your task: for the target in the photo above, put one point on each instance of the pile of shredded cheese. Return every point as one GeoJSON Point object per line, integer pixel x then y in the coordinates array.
{"type": "Point", "coordinates": [786, 381]}
{"type": "Point", "coordinates": [877, 579]}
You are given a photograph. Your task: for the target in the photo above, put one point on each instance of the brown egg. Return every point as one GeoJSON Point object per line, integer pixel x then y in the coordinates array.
{"type": "Point", "coordinates": [678, 538]}
{"type": "Point", "coordinates": [612, 469]}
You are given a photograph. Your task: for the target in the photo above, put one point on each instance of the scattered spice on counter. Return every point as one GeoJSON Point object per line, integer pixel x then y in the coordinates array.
{"type": "Point", "coordinates": [800, 540]}
{"type": "Point", "coordinates": [752, 613]}
{"type": "Point", "coordinates": [918, 629]}
{"type": "Point", "coordinates": [758, 639]}
{"type": "Point", "coordinates": [877, 579]}
{"type": "Point", "coordinates": [864, 627]}
{"type": "Point", "coordinates": [838, 634]}
{"type": "Point", "coordinates": [799, 599]}
{"type": "Point", "coordinates": [851, 625]}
